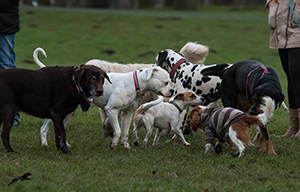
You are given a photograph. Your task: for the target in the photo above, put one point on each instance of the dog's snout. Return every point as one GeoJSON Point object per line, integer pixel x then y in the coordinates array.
{"type": "Point", "coordinates": [99, 91]}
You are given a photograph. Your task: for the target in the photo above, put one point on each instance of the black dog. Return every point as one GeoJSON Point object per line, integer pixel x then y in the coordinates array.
{"type": "Point", "coordinates": [243, 86]}
{"type": "Point", "coordinates": [50, 92]}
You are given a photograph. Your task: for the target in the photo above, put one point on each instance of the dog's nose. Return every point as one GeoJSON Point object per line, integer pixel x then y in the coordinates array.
{"type": "Point", "coordinates": [172, 91]}
{"type": "Point", "coordinates": [253, 112]}
{"type": "Point", "coordinates": [99, 91]}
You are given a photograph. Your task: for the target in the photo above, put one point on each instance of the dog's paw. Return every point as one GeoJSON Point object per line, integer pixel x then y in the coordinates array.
{"type": "Point", "coordinates": [187, 144]}
{"type": "Point", "coordinates": [136, 143]}
{"type": "Point", "coordinates": [126, 145]}
{"type": "Point", "coordinates": [209, 148]}
{"type": "Point", "coordinates": [112, 145]}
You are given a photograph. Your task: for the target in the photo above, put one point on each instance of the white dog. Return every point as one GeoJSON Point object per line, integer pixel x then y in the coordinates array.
{"type": "Point", "coordinates": [194, 52]}
{"type": "Point", "coordinates": [163, 115]}
{"type": "Point", "coordinates": [122, 96]}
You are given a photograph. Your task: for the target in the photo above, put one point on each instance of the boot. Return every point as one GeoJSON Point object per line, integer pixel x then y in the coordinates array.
{"type": "Point", "coordinates": [298, 133]}
{"type": "Point", "coordinates": [294, 123]}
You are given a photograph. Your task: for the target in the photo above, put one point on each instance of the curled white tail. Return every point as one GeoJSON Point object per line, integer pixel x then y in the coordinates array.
{"type": "Point", "coordinates": [194, 53]}
{"type": "Point", "coordinates": [148, 105]}
{"type": "Point", "coordinates": [267, 106]}
{"type": "Point", "coordinates": [35, 56]}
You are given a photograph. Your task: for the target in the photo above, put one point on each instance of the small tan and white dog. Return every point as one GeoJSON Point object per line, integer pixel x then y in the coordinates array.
{"type": "Point", "coordinates": [163, 115]}
{"type": "Point", "coordinates": [229, 125]}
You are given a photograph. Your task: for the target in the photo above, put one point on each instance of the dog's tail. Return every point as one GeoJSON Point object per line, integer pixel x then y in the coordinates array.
{"type": "Point", "coordinates": [216, 70]}
{"type": "Point", "coordinates": [267, 107]}
{"type": "Point", "coordinates": [262, 119]}
{"type": "Point", "coordinates": [150, 104]}
{"type": "Point", "coordinates": [194, 53]}
{"type": "Point", "coordinates": [35, 56]}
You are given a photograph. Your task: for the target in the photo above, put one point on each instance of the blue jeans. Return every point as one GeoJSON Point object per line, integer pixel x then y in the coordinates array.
{"type": "Point", "coordinates": [7, 53]}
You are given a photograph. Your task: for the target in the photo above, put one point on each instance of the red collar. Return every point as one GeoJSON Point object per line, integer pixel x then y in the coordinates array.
{"type": "Point", "coordinates": [136, 81]}
{"type": "Point", "coordinates": [176, 66]}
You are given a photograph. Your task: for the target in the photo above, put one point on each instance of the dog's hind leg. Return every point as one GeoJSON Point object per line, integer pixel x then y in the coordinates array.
{"type": "Point", "coordinates": [135, 134]}
{"type": "Point", "coordinates": [148, 127]}
{"type": "Point", "coordinates": [44, 130]}
{"type": "Point", "coordinates": [7, 118]}
{"type": "Point", "coordinates": [238, 143]}
{"type": "Point", "coordinates": [157, 136]}
{"type": "Point", "coordinates": [266, 145]}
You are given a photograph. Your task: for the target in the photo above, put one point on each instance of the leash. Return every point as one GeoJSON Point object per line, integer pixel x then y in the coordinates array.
{"type": "Point", "coordinates": [265, 70]}
{"type": "Point", "coordinates": [136, 81]}
{"type": "Point", "coordinates": [85, 102]}
{"type": "Point", "coordinates": [293, 13]}
{"type": "Point", "coordinates": [176, 66]}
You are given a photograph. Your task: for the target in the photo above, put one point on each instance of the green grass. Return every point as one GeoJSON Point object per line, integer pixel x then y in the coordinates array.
{"type": "Point", "coordinates": [72, 38]}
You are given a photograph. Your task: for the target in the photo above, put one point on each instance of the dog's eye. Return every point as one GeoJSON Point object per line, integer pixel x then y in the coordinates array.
{"type": "Point", "coordinates": [92, 78]}
{"type": "Point", "coordinates": [166, 83]}
{"type": "Point", "coordinates": [192, 96]}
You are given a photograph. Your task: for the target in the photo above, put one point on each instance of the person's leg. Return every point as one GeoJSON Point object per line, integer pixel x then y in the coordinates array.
{"type": "Point", "coordinates": [7, 53]}
{"type": "Point", "coordinates": [293, 114]}
{"type": "Point", "coordinates": [8, 58]}
{"type": "Point", "coordinates": [294, 69]}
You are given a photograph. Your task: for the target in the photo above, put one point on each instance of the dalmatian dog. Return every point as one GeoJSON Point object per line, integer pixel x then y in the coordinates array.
{"type": "Point", "coordinates": [187, 76]}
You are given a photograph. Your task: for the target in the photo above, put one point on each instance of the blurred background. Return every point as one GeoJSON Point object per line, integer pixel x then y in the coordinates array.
{"type": "Point", "coordinates": [141, 4]}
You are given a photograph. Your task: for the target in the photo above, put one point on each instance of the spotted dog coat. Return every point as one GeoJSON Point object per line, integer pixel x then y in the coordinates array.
{"type": "Point", "coordinates": [187, 76]}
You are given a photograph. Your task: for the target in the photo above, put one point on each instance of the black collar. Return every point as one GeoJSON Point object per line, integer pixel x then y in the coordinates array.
{"type": "Point", "coordinates": [177, 107]}
{"type": "Point", "coordinates": [85, 102]}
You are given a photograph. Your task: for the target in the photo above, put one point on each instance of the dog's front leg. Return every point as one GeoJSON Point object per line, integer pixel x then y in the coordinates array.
{"type": "Point", "coordinates": [112, 115]}
{"type": "Point", "coordinates": [60, 134]}
{"type": "Point", "coordinates": [125, 125]}
{"type": "Point", "coordinates": [181, 124]}
{"type": "Point", "coordinates": [178, 132]}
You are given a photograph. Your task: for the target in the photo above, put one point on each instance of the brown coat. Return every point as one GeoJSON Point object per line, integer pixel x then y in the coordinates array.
{"type": "Point", "coordinates": [285, 31]}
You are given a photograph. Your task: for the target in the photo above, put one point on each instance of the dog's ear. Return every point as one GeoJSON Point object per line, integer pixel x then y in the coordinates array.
{"type": "Point", "coordinates": [161, 58]}
{"type": "Point", "coordinates": [106, 77]}
{"type": "Point", "coordinates": [149, 72]}
{"type": "Point", "coordinates": [79, 72]}
{"type": "Point", "coordinates": [179, 96]}
{"type": "Point", "coordinates": [195, 118]}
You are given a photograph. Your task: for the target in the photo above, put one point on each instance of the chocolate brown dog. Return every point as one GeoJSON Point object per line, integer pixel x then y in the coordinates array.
{"type": "Point", "coordinates": [50, 92]}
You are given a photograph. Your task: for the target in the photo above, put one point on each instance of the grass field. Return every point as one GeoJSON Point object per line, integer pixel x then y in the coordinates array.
{"type": "Point", "coordinates": [74, 37]}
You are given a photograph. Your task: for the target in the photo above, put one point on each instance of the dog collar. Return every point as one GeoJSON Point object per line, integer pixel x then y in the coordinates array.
{"type": "Point", "coordinates": [85, 102]}
{"type": "Point", "coordinates": [136, 81]}
{"type": "Point", "coordinates": [177, 107]}
{"type": "Point", "coordinates": [176, 66]}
